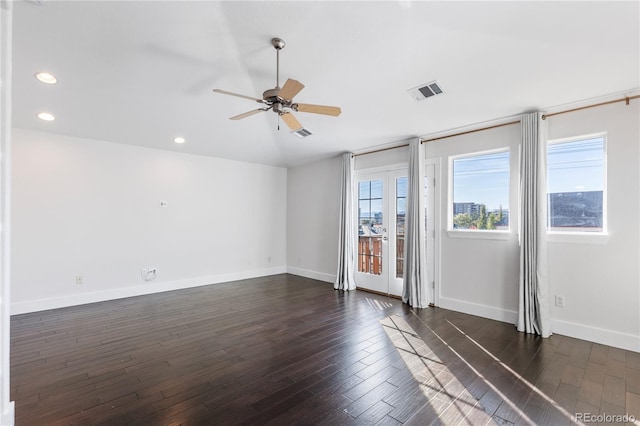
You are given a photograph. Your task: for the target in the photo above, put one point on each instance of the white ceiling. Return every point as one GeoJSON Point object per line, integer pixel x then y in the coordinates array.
{"type": "Point", "coordinates": [142, 73]}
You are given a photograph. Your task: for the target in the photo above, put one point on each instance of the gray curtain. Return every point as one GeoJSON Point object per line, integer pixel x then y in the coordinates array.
{"type": "Point", "coordinates": [414, 290]}
{"type": "Point", "coordinates": [533, 306]}
{"type": "Point", "coordinates": [345, 279]}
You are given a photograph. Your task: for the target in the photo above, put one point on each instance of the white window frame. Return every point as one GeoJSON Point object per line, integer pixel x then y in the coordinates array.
{"type": "Point", "coordinates": [477, 233]}
{"type": "Point", "coordinates": [580, 237]}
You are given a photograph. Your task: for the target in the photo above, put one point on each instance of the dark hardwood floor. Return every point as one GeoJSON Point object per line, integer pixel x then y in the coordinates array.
{"type": "Point", "coordinates": [289, 350]}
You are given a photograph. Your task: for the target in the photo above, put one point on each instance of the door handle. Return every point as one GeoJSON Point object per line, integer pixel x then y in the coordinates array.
{"type": "Point", "coordinates": [384, 238]}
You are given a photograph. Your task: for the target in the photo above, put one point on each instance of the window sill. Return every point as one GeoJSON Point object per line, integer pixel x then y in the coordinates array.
{"type": "Point", "coordinates": [479, 235]}
{"type": "Point", "coordinates": [578, 237]}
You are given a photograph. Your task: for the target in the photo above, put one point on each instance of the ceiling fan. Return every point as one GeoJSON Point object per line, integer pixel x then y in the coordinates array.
{"type": "Point", "coordinates": [280, 99]}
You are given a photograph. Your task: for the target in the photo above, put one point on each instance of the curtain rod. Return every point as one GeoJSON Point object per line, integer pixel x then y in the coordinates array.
{"type": "Point", "coordinates": [625, 99]}
{"type": "Point", "coordinates": [435, 139]}
{"type": "Point", "coordinates": [379, 150]}
{"type": "Point", "coordinates": [471, 131]}
{"type": "Point", "coordinates": [544, 116]}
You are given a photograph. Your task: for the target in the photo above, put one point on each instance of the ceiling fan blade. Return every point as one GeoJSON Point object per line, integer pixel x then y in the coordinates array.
{"type": "Point", "coordinates": [290, 89]}
{"type": "Point", "coordinates": [318, 109]}
{"type": "Point", "coordinates": [224, 92]}
{"type": "Point", "coordinates": [247, 114]}
{"type": "Point", "coordinates": [291, 121]}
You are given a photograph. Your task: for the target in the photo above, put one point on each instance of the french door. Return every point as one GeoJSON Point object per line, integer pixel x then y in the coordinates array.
{"type": "Point", "coordinates": [381, 208]}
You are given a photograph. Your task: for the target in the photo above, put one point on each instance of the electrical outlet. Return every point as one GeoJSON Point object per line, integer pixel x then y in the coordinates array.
{"type": "Point", "coordinates": [149, 274]}
{"type": "Point", "coordinates": [79, 280]}
{"type": "Point", "coordinates": [559, 301]}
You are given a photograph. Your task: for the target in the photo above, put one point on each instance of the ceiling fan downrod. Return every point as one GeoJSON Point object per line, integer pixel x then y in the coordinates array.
{"type": "Point", "coordinates": [278, 44]}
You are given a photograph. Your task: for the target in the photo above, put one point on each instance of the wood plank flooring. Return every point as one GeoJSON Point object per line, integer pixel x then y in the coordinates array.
{"type": "Point", "coordinates": [289, 350]}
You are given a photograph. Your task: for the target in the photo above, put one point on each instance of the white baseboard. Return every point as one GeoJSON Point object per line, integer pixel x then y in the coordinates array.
{"type": "Point", "coordinates": [616, 339]}
{"type": "Point", "coordinates": [320, 276]}
{"type": "Point", "coordinates": [7, 418]}
{"type": "Point", "coordinates": [484, 311]}
{"type": "Point", "coordinates": [137, 290]}
{"type": "Point", "coordinates": [579, 331]}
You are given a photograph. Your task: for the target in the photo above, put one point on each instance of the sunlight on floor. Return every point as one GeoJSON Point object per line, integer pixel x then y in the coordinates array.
{"type": "Point", "coordinates": [378, 305]}
{"type": "Point", "coordinates": [448, 397]}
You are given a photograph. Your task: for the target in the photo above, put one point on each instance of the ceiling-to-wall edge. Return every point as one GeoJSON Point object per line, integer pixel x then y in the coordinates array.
{"type": "Point", "coordinates": [591, 101]}
{"type": "Point", "coordinates": [548, 110]}
{"type": "Point", "coordinates": [484, 124]}
{"type": "Point", "coordinates": [173, 151]}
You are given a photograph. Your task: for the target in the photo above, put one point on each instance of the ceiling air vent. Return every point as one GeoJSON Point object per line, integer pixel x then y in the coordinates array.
{"type": "Point", "coordinates": [425, 91]}
{"type": "Point", "coordinates": [302, 132]}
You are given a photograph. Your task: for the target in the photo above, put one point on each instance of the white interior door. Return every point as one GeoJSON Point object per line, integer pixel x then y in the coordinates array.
{"type": "Point", "coordinates": [380, 216]}
{"type": "Point", "coordinates": [431, 221]}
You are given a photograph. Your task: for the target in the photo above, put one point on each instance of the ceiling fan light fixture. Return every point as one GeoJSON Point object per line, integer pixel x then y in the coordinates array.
{"type": "Point", "coordinates": [302, 132]}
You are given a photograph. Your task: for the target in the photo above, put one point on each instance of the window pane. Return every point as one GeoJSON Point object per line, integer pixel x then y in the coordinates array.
{"type": "Point", "coordinates": [401, 212]}
{"type": "Point", "coordinates": [400, 256]}
{"type": "Point", "coordinates": [401, 186]}
{"type": "Point", "coordinates": [376, 189]}
{"type": "Point", "coordinates": [481, 192]}
{"type": "Point", "coordinates": [364, 190]}
{"type": "Point", "coordinates": [575, 185]}
{"type": "Point", "coordinates": [376, 212]}
{"type": "Point", "coordinates": [364, 209]}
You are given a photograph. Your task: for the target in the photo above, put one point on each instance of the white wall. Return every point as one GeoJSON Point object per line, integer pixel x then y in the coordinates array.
{"type": "Point", "coordinates": [601, 280]}
{"type": "Point", "coordinates": [478, 274]}
{"type": "Point", "coordinates": [313, 208]}
{"type": "Point", "coordinates": [92, 209]}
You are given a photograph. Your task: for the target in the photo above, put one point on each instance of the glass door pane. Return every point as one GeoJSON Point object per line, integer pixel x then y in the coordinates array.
{"type": "Point", "coordinates": [370, 226]}
{"type": "Point", "coordinates": [401, 211]}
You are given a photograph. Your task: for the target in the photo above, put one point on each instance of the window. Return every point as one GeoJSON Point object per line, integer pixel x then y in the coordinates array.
{"type": "Point", "coordinates": [481, 192]}
{"type": "Point", "coordinates": [576, 184]}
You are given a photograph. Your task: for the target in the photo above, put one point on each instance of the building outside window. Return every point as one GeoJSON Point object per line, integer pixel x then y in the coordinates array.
{"type": "Point", "coordinates": [576, 184]}
{"type": "Point", "coordinates": [481, 191]}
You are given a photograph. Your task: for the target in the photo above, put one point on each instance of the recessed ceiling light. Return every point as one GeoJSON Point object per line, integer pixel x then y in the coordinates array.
{"type": "Point", "coordinates": [179, 139]}
{"type": "Point", "coordinates": [46, 116]}
{"type": "Point", "coordinates": [46, 78]}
